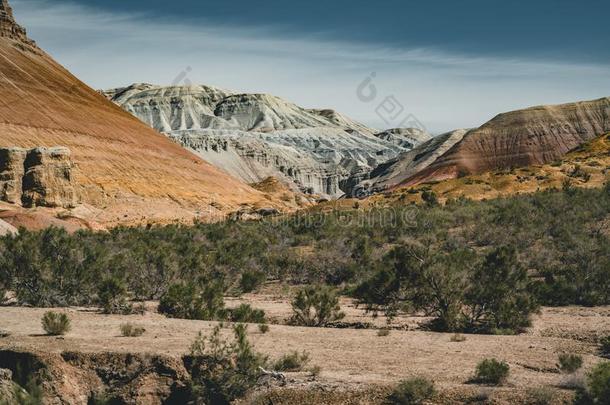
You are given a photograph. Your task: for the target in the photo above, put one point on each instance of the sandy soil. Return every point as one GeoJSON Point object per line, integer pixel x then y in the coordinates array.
{"type": "Point", "coordinates": [349, 357]}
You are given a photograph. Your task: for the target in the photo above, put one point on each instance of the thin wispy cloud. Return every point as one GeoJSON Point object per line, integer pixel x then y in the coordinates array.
{"type": "Point", "coordinates": [443, 89]}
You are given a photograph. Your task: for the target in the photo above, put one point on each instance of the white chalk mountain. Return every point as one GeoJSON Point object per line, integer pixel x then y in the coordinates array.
{"type": "Point", "coordinates": [255, 136]}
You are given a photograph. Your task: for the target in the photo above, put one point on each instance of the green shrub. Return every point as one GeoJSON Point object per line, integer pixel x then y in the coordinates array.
{"type": "Point", "coordinates": [415, 278]}
{"type": "Point", "coordinates": [131, 330]}
{"type": "Point", "coordinates": [56, 324]}
{"type": "Point", "coordinates": [569, 363]}
{"type": "Point", "coordinates": [540, 396]}
{"type": "Point", "coordinates": [315, 306]}
{"type": "Point", "coordinates": [499, 298]}
{"type": "Point", "coordinates": [492, 372]}
{"type": "Point", "coordinates": [291, 362]}
{"type": "Point", "coordinates": [190, 302]}
{"type": "Point", "coordinates": [251, 280]}
{"type": "Point", "coordinates": [3, 292]}
{"type": "Point", "coordinates": [263, 328]}
{"type": "Point", "coordinates": [246, 314]}
{"type": "Point", "coordinates": [112, 296]}
{"type": "Point", "coordinates": [605, 347]}
{"type": "Point", "coordinates": [430, 198]}
{"type": "Point", "coordinates": [597, 390]}
{"type": "Point", "coordinates": [412, 391]}
{"type": "Point", "coordinates": [223, 370]}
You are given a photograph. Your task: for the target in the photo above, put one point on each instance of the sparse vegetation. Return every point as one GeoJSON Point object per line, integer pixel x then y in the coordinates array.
{"type": "Point", "coordinates": [458, 338]}
{"type": "Point", "coordinates": [292, 362]}
{"type": "Point", "coordinates": [56, 324]}
{"type": "Point", "coordinates": [223, 370]}
{"type": "Point", "coordinates": [569, 363]}
{"type": "Point", "coordinates": [465, 296]}
{"type": "Point", "coordinates": [189, 301]}
{"type": "Point", "coordinates": [559, 236]}
{"type": "Point", "coordinates": [131, 330]}
{"type": "Point", "coordinates": [597, 390]}
{"type": "Point", "coordinates": [540, 396]}
{"type": "Point", "coordinates": [251, 280]}
{"type": "Point", "coordinates": [412, 391]}
{"type": "Point", "coordinates": [316, 306]}
{"type": "Point", "coordinates": [492, 372]}
{"type": "Point", "coordinates": [263, 328]}
{"type": "Point", "coordinates": [112, 296]}
{"type": "Point", "coordinates": [246, 314]}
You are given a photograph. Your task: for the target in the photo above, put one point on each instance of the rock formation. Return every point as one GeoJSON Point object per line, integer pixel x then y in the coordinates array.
{"type": "Point", "coordinates": [11, 174]}
{"type": "Point", "coordinates": [9, 28]}
{"type": "Point", "coordinates": [533, 136]}
{"type": "Point", "coordinates": [407, 138]}
{"type": "Point", "coordinates": [38, 177]}
{"type": "Point", "coordinates": [48, 180]}
{"type": "Point", "coordinates": [255, 136]}
{"type": "Point", "coordinates": [127, 172]}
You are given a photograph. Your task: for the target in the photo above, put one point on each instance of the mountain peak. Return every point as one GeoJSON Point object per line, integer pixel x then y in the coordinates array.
{"type": "Point", "coordinates": [9, 27]}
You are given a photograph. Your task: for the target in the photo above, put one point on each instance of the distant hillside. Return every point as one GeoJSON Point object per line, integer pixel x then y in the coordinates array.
{"type": "Point", "coordinates": [534, 136]}
{"type": "Point", "coordinates": [587, 166]}
{"type": "Point", "coordinates": [255, 136]}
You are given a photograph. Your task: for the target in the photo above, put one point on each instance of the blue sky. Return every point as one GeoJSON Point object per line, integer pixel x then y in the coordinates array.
{"type": "Point", "coordinates": [449, 63]}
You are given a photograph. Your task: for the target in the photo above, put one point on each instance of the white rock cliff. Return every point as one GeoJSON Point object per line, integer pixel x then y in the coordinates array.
{"type": "Point", "coordinates": [255, 136]}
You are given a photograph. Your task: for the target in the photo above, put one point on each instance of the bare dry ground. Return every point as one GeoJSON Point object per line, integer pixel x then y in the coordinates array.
{"type": "Point", "coordinates": [351, 359]}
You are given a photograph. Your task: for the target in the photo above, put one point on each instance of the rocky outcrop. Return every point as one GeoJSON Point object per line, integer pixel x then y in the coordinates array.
{"type": "Point", "coordinates": [407, 138]}
{"type": "Point", "coordinates": [48, 180]}
{"type": "Point", "coordinates": [84, 378]}
{"type": "Point", "coordinates": [9, 28]}
{"type": "Point", "coordinates": [533, 136]}
{"type": "Point", "coordinates": [11, 174]}
{"type": "Point", "coordinates": [38, 177]}
{"type": "Point", "coordinates": [256, 136]}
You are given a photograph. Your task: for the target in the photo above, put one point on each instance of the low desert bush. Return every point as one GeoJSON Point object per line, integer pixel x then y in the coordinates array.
{"type": "Point", "coordinates": [383, 332]}
{"type": "Point", "coordinates": [492, 372]}
{"type": "Point", "coordinates": [251, 280]}
{"type": "Point", "coordinates": [540, 396]}
{"type": "Point", "coordinates": [597, 389]}
{"type": "Point", "coordinates": [458, 338]}
{"type": "Point", "coordinates": [412, 391]}
{"type": "Point", "coordinates": [223, 370]}
{"type": "Point", "coordinates": [188, 301]}
{"type": "Point", "coordinates": [316, 306]}
{"type": "Point", "coordinates": [246, 314]}
{"type": "Point", "coordinates": [112, 297]}
{"type": "Point", "coordinates": [55, 324]}
{"type": "Point", "coordinates": [131, 330]}
{"type": "Point", "coordinates": [294, 361]}
{"type": "Point", "coordinates": [263, 328]}
{"type": "Point", "coordinates": [605, 347]}
{"type": "Point", "coordinates": [569, 363]}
